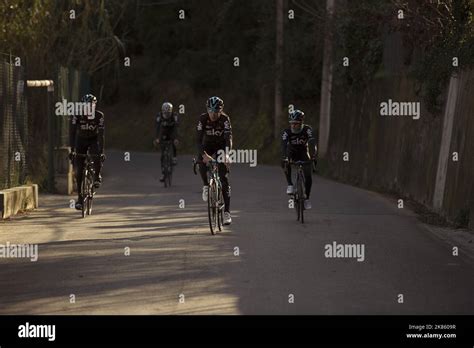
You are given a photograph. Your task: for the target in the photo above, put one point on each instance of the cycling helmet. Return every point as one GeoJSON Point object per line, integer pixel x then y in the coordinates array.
{"type": "Point", "coordinates": [296, 116]}
{"type": "Point", "coordinates": [89, 98]}
{"type": "Point", "coordinates": [167, 108]}
{"type": "Point", "coordinates": [215, 104]}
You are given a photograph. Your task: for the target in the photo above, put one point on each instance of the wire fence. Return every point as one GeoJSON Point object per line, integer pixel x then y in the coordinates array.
{"type": "Point", "coordinates": [13, 126]}
{"type": "Point", "coordinates": [21, 126]}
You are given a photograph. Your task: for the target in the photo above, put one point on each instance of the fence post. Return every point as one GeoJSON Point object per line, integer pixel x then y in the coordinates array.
{"type": "Point", "coordinates": [51, 138]}
{"type": "Point", "coordinates": [446, 136]}
{"type": "Point", "coordinates": [50, 89]}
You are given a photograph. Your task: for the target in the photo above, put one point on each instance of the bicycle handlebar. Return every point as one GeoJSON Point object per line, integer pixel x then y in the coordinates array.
{"type": "Point", "coordinates": [86, 155]}
{"type": "Point", "coordinates": [296, 163]}
{"type": "Point", "coordinates": [195, 163]}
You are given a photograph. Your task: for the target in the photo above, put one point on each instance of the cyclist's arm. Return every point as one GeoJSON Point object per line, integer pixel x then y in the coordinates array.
{"type": "Point", "coordinates": [200, 135]}
{"type": "Point", "coordinates": [284, 144]}
{"type": "Point", "coordinates": [72, 132]}
{"type": "Point", "coordinates": [101, 131]}
{"type": "Point", "coordinates": [174, 134]}
{"type": "Point", "coordinates": [228, 133]}
{"type": "Point", "coordinates": [311, 143]}
{"type": "Point", "coordinates": [158, 126]}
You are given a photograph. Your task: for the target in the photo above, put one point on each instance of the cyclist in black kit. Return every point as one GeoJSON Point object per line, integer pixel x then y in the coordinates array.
{"type": "Point", "coordinates": [86, 132]}
{"type": "Point", "coordinates": [166, 129]}
{"type": "Point", "coordinates": [214, 133]}
{"type": "Point", "coordinates": [298, 144]}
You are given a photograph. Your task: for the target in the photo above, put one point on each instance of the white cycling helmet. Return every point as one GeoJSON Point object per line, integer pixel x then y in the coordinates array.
{"type": "Point", "coordinates": [167, 109]}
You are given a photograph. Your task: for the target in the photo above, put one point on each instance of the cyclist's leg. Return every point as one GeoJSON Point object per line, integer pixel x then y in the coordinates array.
{"type": "Point", "coordinates": [308, 179]}
{"type": "Point", "coordinates": [203, 172]}
{"type": "Point", "coordinates": [287, 171]}
{"type": "Point", "coordinates": [292, 156]}
{"type": "Point", "coordinates": [163, 138]}
{"type": "Point", "coordinates": [224, 176]}
{"type": "Point", "coordinates": [174, 148]}
{"type": "Point", "coordinates": [94, 150]}
{"type": "Point", "coordinates": [81, 148]}
{"type": "Point", "coordinates": [202, 167]}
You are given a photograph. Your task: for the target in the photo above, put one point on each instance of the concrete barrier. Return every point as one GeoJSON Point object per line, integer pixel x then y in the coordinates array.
{"type": "Point", "coordinates": [17, 199]}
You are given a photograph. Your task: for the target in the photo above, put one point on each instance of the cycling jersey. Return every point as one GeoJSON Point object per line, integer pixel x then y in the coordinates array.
{"type": "Point", "coordinates": [166, 128]}
{"type": "Point", "coordinates": [87, 127]}
{"type": "Point", "coordinates": [214, 134]}
{"type": "Point", "coordinates": [297, 145]}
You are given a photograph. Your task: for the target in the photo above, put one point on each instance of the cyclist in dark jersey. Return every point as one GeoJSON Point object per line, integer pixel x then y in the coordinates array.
{"type": "Point", "coordinates": [166, 129]}
{"type": "Point", "coordinates": [214, 133]}
{"type": "Point", "coordinates": [86, 132]}
{"type": "Point", "coordinates": [298, 144]}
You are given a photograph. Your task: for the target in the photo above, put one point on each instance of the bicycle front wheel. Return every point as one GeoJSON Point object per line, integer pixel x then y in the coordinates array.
{"type": "Point", "coordinates": [212, 208]}
{"type": "Point", "coordinates": [84, 193]}
{"type": "Point", "coordinates": [301, 199]}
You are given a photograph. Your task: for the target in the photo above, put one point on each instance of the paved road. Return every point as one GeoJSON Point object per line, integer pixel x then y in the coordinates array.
{"type": "Point", "coordinates": [172, 252]}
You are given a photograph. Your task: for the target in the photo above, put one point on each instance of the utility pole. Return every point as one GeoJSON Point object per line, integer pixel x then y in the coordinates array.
{"type": "Point", "coordinates": [279, 67]}
{"type": "Point", "coordinates": [326, 83]}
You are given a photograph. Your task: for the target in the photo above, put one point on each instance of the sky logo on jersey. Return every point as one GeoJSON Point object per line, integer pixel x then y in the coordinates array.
{"type": "Point", "coordinates": [298, 141]}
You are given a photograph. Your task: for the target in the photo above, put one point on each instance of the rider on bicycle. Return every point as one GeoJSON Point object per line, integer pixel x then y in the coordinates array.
{"type": "Point", "coordinates": [214, 133]}
{"type": "Point", "coordinates": [298, 144]}
{"type": "Point", "coordinates": [86, 132]}
{"type": "Point", "coordinates": [166, 130]}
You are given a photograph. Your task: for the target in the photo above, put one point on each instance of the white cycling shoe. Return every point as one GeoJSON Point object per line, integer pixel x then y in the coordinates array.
{"type": "Point", "coordinates": [205, 193]}
{"type": "Point", "coordinates": [307, 204]}
{"type": "Point", "coordinates": [290, 190]}
{"type": "Point", "coordinates": [227, 218]}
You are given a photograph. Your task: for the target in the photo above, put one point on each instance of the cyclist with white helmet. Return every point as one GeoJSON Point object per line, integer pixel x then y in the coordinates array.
{"type": "Point", "coordinates": [214, 133]}
{"type": "Point", "coordinates": [298, 144]}
{"type": "Point", "coordinates": [166, 130]}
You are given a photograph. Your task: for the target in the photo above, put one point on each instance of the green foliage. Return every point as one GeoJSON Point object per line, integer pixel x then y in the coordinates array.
{"type": "Point", "coordinates": [433, 33]}
{"type": "Point", "coordinates": [357, 33]}
{"type": "Point", "coordinates": [452, 36]}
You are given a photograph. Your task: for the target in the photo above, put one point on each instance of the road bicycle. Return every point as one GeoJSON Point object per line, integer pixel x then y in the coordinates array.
{"type": "Point", "coordinates": [87, 184]}
{"type": "Point", "coordinates": [299, 195]}
{"type": "Point", "coordinates": [215, 198]}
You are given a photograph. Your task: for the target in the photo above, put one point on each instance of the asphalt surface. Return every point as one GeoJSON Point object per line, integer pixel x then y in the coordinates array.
{"type": "Point", "coordinates": [176, 266]}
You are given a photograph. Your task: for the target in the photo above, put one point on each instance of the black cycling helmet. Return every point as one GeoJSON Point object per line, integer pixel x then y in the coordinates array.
{"type": "Point", "coordinates": [215, 104]}
{"type": "Point", "coordinates": [296, 116]}
{"type": "Point", "coordinates": [89, 98]}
